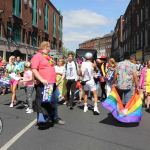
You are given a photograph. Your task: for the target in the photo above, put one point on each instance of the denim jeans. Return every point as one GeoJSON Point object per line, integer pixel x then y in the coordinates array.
{"type": "Point", "coordinates": [125, 95]}
{"type": "Point", "coordinates": [29, 92]}
{"type": "Point", "coordinates": [49, 110]}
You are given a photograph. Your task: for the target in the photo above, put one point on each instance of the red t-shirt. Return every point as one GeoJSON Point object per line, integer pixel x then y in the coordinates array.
{"type": "Point", "coordinates": [1, 64]}
{"type": "Point", "coordinates": [46, 71]}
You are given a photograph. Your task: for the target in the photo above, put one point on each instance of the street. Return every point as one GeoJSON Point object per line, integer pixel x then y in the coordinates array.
{"type": "Point", "coordinates": [82, 131]}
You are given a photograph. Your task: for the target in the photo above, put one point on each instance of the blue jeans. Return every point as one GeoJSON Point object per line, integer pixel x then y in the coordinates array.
{"type": "Point", "coordinates": [125, 95]}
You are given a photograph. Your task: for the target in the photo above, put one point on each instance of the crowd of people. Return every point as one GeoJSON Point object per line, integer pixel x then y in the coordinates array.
{"type": "Point", "coordinates": [60, 81]}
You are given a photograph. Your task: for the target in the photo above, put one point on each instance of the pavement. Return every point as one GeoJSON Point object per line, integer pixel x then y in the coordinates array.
{"type": "Point", "coordinates": [82, 131]}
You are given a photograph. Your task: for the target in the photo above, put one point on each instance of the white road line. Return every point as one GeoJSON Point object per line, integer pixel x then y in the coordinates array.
{"type": "Point", "coordinates": [17, 136]}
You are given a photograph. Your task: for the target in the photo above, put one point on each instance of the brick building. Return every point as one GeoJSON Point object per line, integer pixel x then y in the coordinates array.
{"type": "Point", "coordinates": [136, 29]}
{"type": "Point", "coordinates": [101, 44]}
{"type": "Point", "coordinates": [25, 23]}
{"type": "Point", "coordinates": [117, 39]}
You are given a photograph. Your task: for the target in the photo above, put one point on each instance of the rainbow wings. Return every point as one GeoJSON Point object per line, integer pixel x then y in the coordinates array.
{"type": "Point", "coordinates": [131, 113]}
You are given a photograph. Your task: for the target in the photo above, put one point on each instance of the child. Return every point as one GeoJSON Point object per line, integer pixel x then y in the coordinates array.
{"type": "Point", "coordinates": [28, 81]}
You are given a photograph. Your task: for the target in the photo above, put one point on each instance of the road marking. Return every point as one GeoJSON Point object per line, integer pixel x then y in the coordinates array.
{"type": "Point", "coordinates": [17, 136]}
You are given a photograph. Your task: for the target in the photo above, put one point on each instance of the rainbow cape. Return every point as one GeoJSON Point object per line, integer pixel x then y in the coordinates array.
{"type": "Point", "coordinates": [131, 113]}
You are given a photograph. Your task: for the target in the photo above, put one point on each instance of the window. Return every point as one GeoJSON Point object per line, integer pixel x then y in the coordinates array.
{"type": "Point", "coordinates": [60, 28]}
{"type": "Point", "coordinates": [141, 39]}
{"type": "Point", "coordinates": [9, 30]}
{"type": "Point", "coordinates": [34, 12]}
{"type": "Point", "coordinates": [23, 35]}
{"type": "Point", "coordinates": [141, 15]}
{"type": "Point", "coordinates": [54, 24]}
{"type": "Point", "coordinates": [0, 29]}
{"type": "Point", "coordinates": [146, 38]}
{"type": "Point", "coordinates": [146, 13]}
{"type": "Point", "coordinates": [46, 18]}
{"type": "Point", "coordinates": [137, 46]}
{"type": "Point", "coordinates": [34, 39]}
{"type": "Point", "coordinates": [29, 37]}
{"type": "Point", "coordinates": [17, 34]}
{"type": "Point", "coordinates": [138, 20]}
{"type": "Point", "coordinates": [17, 8]}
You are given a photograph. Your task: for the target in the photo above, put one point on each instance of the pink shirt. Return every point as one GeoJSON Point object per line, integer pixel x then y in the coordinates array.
{"type": "Point", "coordinates": [27, 75]}
{"type": "Point", "coordinates": [46, 71]}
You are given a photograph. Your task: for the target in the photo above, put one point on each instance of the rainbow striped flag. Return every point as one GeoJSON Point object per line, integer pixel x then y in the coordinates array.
{"type": "Point", "coordinates": [131, 113]}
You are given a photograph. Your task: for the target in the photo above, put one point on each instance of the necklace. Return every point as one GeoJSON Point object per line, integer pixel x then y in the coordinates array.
{"type": "Point", "coordinates": [49, 58]}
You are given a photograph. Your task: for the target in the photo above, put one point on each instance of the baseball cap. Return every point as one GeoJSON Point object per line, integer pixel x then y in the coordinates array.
{"type": "Point", "coordinates": [88, 55]}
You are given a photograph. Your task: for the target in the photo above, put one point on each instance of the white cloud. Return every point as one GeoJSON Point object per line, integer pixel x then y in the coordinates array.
{"type": "Point", "coordinates": [84, 18]}
{"type": "Point", "coordinates": [78, 36]}
{"type": "Point", "coordinates": [82, 25]}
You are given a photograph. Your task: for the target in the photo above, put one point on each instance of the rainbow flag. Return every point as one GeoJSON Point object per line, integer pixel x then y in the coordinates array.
{"type": "Point", "coordinates": [131, 113]}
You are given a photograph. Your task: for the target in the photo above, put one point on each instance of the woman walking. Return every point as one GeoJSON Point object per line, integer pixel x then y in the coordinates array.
{"type": "Point", "coordinates": [145, 84]}
{"type": "Point", "coordinates": [13, 73]}
{"type": "Point", "coordinates": [60, 79]}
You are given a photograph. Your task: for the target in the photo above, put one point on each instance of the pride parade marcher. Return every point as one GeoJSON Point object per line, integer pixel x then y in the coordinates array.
{"type": "Point", "coordinates": [60, 78]}
{"type": "Point", "coordinates": [44, 71]}
{"type": "Point", "coordinates": [126, 78]}
{"type": "Point", "coordinates": [12, 71]}
{"type": "Point", "coordinates": [124, 101]}
{"type": "Point", "coordinates": [144, 84]}
{"type": "Point", "coordinates": [28, 81]}
{"type": "Point", "coordinates": [102, 66]}
{"type": "Point", "coordinates": [71, 73]}
{"type": "Point", "coordinates": [87, 69]}
{"type": "Point", "coordinates": [109, 78]}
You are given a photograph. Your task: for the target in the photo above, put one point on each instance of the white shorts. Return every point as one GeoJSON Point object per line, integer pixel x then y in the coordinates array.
{"type": "Point", "coordinates": [90, 86]}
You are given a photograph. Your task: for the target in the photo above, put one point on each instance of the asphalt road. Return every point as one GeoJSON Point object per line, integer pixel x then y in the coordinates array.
{"type": "Point", "coordinates": [82, 131]}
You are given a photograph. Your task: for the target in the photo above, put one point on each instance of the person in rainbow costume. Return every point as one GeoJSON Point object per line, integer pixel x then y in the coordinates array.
{"type": "Point", "coordinates": [144, 84]}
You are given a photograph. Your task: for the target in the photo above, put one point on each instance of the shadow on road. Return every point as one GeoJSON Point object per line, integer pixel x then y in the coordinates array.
{"type": "Point", "coordinates": [110, 120]}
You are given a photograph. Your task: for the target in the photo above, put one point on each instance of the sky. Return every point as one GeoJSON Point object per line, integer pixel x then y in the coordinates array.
{"type": "Point", "coordinates": [87, 19]}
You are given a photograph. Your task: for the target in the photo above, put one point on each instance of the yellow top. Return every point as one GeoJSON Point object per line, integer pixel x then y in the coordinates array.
{"type": "Point", "coordinates": [148, 81]}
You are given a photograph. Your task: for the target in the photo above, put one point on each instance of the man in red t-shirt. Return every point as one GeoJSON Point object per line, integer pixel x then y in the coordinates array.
{"type": "Point", "coordinates": [44, 72]}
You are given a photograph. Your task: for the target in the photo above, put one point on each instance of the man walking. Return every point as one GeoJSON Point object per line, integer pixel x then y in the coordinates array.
{"type": "Point", "coordinates": [71, 71]}
{"type": "Point", "coordinates": [126, 78]}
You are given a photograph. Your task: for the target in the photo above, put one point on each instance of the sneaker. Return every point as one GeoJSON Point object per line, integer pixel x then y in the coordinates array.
{"type": "Point", "coordinates": [29, 111]}
{"type": "Point", "coordinates": [65, 103]}
{"type": "Point", "coordinates": [59, 121]}
{"type": "Point", "coordinates": [11, 105]}
{"type": "Point", "coordinates": [85, 108]}
{"type": "Point", "coordinates": [96, 111]}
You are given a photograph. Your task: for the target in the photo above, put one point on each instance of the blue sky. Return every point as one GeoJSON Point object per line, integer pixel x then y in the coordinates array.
{"type": "Point", "coordinates": [87, 19]}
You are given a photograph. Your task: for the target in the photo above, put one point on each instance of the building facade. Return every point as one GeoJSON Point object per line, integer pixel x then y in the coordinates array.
{"type": "Point", "coordinates": [117, 39]}
{"type": "Point", "coordinates": [136, 30]}
{"type": "Point", "coordinates": [101, 44]}
{"type": "Point", "coordinates": [26, 23]}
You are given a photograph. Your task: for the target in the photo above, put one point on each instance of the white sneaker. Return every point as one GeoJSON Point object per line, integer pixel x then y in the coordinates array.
{"type": "Point", "coordinates": [11, 105]}
{"type": "Point", "coordinates": [96, 111]}
{"type": "Point", "coordinates": [65, 103]}
{"type": "Point", "coordinates": [85, 108]}
{"type": "Point", "coordinates": [29, 111]}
